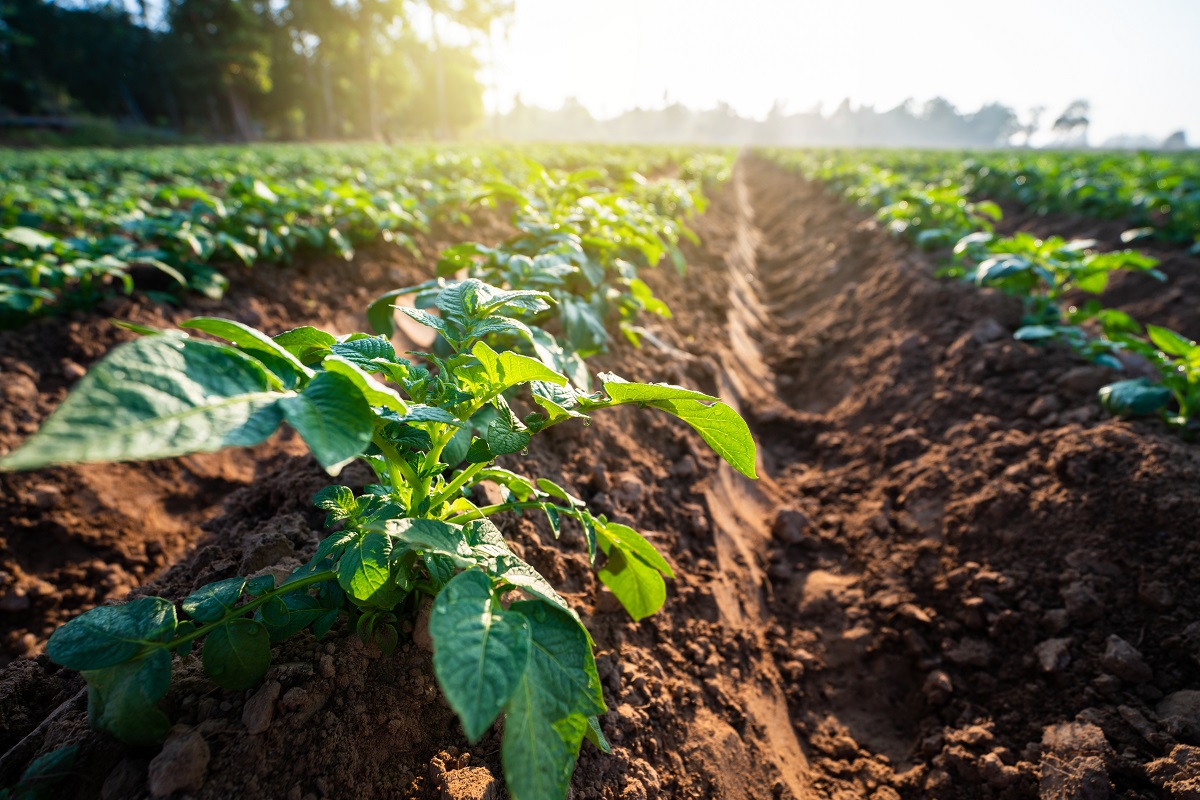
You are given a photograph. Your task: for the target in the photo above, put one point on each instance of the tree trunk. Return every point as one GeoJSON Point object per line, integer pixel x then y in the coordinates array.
{"type": "Point", "coordinates": [214, 116]}
{"type": "Point", "coordinates": [241, 117]}
{"type": "Point", "coordinates": [331, 126]}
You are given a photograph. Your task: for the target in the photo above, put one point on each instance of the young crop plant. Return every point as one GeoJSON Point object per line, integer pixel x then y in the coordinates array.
{"type": "Point", "coordinates": [582, 246]}
{"type": "Point", "coordinates": [429, 434]}
{"type": "Point", "coordinates": [1177, 397]}
{"type": "Point", "coordinates": [1043, 273]}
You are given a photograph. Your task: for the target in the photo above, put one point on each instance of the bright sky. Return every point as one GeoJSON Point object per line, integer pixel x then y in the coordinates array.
{"type": "Point", "coordinates": [1137, 61]}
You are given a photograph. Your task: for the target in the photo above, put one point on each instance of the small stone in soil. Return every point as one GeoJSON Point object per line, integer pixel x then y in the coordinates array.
{"type": "Point", "coordinates": [938, 688]}
{"type": "Point", "coordinates": [260, 708]}
{"type": "Point", "coordinates": [182, 764]}
{"type": "Point", "coordinates": [1123, 660]}
{"type": "Point", "coordinates": [1054, 655]}
{"type": "Point", "coordinates": [1180, 713]}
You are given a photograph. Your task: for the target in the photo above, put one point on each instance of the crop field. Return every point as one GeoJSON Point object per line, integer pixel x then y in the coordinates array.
{"type": "Point", "coordinates": [598, 472]}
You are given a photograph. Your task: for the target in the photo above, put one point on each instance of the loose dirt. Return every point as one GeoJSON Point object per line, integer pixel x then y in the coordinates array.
{"type": "Point", "coordinates": [954, 579]}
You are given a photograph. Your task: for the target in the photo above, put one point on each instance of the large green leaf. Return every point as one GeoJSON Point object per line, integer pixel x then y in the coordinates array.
{"type": "Point", "coordinates": [717, 423]}
{"type": "Point", "coordinates": [123, 699]}
{"type": "Point", "coordinates": [1136, 397]}
{"type": "Point", "coordinates": [428, 536]}
{"type": "Point", "coordinates": [507, 369]}
{"type": "Point", "coordinates": [257, 344]}
{"type": "Point", "coordinates": [109, 635]}
{"type": "Point", "coordinates": [210, 603]}
{"type": "Point", "coordinates": [374, 392]}
{"type": "Point", "coordinates": [332, 417]}
{"type": "Point", "coordinates": [363, 569]}
{"type": "Point", "coordinates": [546, 717]}
{"type": "Point", "coordinates": [237, 654]}
{"type": "Point", "coordinates": [1169, 341]}
{"type": "Point", "coordinates": [156, 397]}
{"type": "Point", "coordinates": [479, 650]}
{"type": "Point", "coordinates": [638, 586]}
{"type": "Point", "coordinates": [632, 542]}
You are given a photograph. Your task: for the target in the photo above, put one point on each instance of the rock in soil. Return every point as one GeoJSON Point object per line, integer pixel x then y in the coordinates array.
{"type": "Point", "coordinates": [182, 764]}
{"type": "Point", "coordinates": [260, 708]}
{"type": "Point", "coordinates": [1074, 756]}
{"type": "Point", "coordinates": [1123, 660]}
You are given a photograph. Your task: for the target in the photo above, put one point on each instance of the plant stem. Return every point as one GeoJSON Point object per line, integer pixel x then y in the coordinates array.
{"type": "Point", "coordinates": [459, 481]}
{"type": "Point", "coordinates": [487, 511]}
{"type": "Point", "coordinates": [287, 588]}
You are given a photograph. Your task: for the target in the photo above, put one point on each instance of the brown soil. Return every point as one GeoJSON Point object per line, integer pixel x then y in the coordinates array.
{"type": "Point", "coordinates": [918, 599]}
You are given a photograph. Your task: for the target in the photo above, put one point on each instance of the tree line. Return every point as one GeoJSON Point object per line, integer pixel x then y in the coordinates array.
{"type": "Point", "coordinates": [936, 123]}
{"type": "Point", "coordinates": [250, 69]}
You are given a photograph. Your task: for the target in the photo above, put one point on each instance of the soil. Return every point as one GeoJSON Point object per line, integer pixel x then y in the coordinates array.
{"type": "Point", "coordinates": [954, 579]}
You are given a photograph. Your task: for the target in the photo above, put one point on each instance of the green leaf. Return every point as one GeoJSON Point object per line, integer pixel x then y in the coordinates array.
{"type": "Point", "coordinates": [123, 699]}
{"type": "Point", "coordinates": [259, 585]}
{"type": "Point", "coordinates": [479, 650]}
{"type": "Point", "coordinates": [306, 343]}
{"type": "Point", "coordinates": [1138, 397]}
{"type": "Point", "coordinates": [362, 352]}
{"type": "Point", "coordinates": [44, 773]}
{"type": "Point", "coordinates": [374, 392]}
{"type": "Point", "coordinates": [29, 238]}
{"type": "Point", "coordinates": [257, 344]}
{"type": "Point", "coordinates": [479, 452]}
{"type": "Point", "coordinates": [237, 654]}
{"type": "Point", "coordinates": [363, 569]}
{"type": "Point", "coordinates": [338, 500]}
{"type": "Point", "coordinates": [638, 586]}
{"type": "Point", "coordinates": [156, 397]}
{"type": "Point", "coordinates": [1169, 341]}
{"type": "Point", "coordinates": [210, 603]}
{"type": "Point", "coordinates": [423, 413]}
{"type": "Point", "coordinates": [332, 417]}
{"type": "Point", "coordinates": [633, 543]}
{"type": "Point", "coordinates": [380, 312]}
{"type": "Point", "coordinates": [717, 423]}
{"type": "Point", "coordinates": [108, 635]}
{"type": "Point", "coordinates": [426, 319]}
{"type": "Point", "coordinates": [507, 369]}
{"type": "Point", "coordinates": [503, 437]}
{"type": "Point", "coordinates": [430, 536]}
{"type": "Point", "coordinates": [595, 735]}
{"type": "Point", "coordinates": [546, 717]}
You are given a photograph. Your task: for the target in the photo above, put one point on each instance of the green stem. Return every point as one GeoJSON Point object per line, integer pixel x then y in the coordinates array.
{"type": "Point", "coordinates": [399, 472]}
{"type": "Point", "coordinates": [487, 511]}
{"type": "Point", "coordinates": [460, 480]}
{"type": "Point", "coordinates": [287, 588]}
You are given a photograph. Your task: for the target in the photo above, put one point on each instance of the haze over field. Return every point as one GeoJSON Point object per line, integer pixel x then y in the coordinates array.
{"type": "Point", "coordinates": [1136, 62]}
{"type": "Point", "coordinates": [936, 73]}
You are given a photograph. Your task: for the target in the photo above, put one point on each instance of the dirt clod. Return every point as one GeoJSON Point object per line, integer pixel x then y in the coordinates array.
{"type": "Point", "coordinates": [181, 765]}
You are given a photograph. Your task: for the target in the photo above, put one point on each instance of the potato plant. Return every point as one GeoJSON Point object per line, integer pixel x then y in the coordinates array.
{"type": "Point", "coordinates": [583, 245]}
{"type": "Point", "coordinates": [505, 642]}
{"type": "Point", "coordinates": [1177, 397]}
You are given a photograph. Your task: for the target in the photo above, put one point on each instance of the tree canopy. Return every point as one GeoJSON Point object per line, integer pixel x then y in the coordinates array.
{"type": "Point", "coordinates": [251, 69]}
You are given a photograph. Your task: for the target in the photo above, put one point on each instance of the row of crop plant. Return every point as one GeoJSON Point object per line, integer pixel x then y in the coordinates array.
{"type": "Point", "coordinates": [940, 213]}
{"type": "Point", "coordinates": [513, 336]}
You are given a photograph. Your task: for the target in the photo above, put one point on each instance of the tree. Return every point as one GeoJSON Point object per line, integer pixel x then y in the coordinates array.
{"type": "Point", "coordinates": [1072, 124]}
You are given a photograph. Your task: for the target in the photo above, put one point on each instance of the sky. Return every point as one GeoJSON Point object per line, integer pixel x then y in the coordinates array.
{"type": "Point", "coordinates": [1137, 62]}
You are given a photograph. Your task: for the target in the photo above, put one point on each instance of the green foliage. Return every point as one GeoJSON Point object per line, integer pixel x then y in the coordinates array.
{"type": "Point", "coordinates": [41, 779]}
{"type": "Point", "coordinates": [75, 227]}
{"type": "Point", "coordinates": [927, 197]}
{"type": "Point", "coordinates": [580, 245]}
{"type": "Point", "coordinates": [413, 533]}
